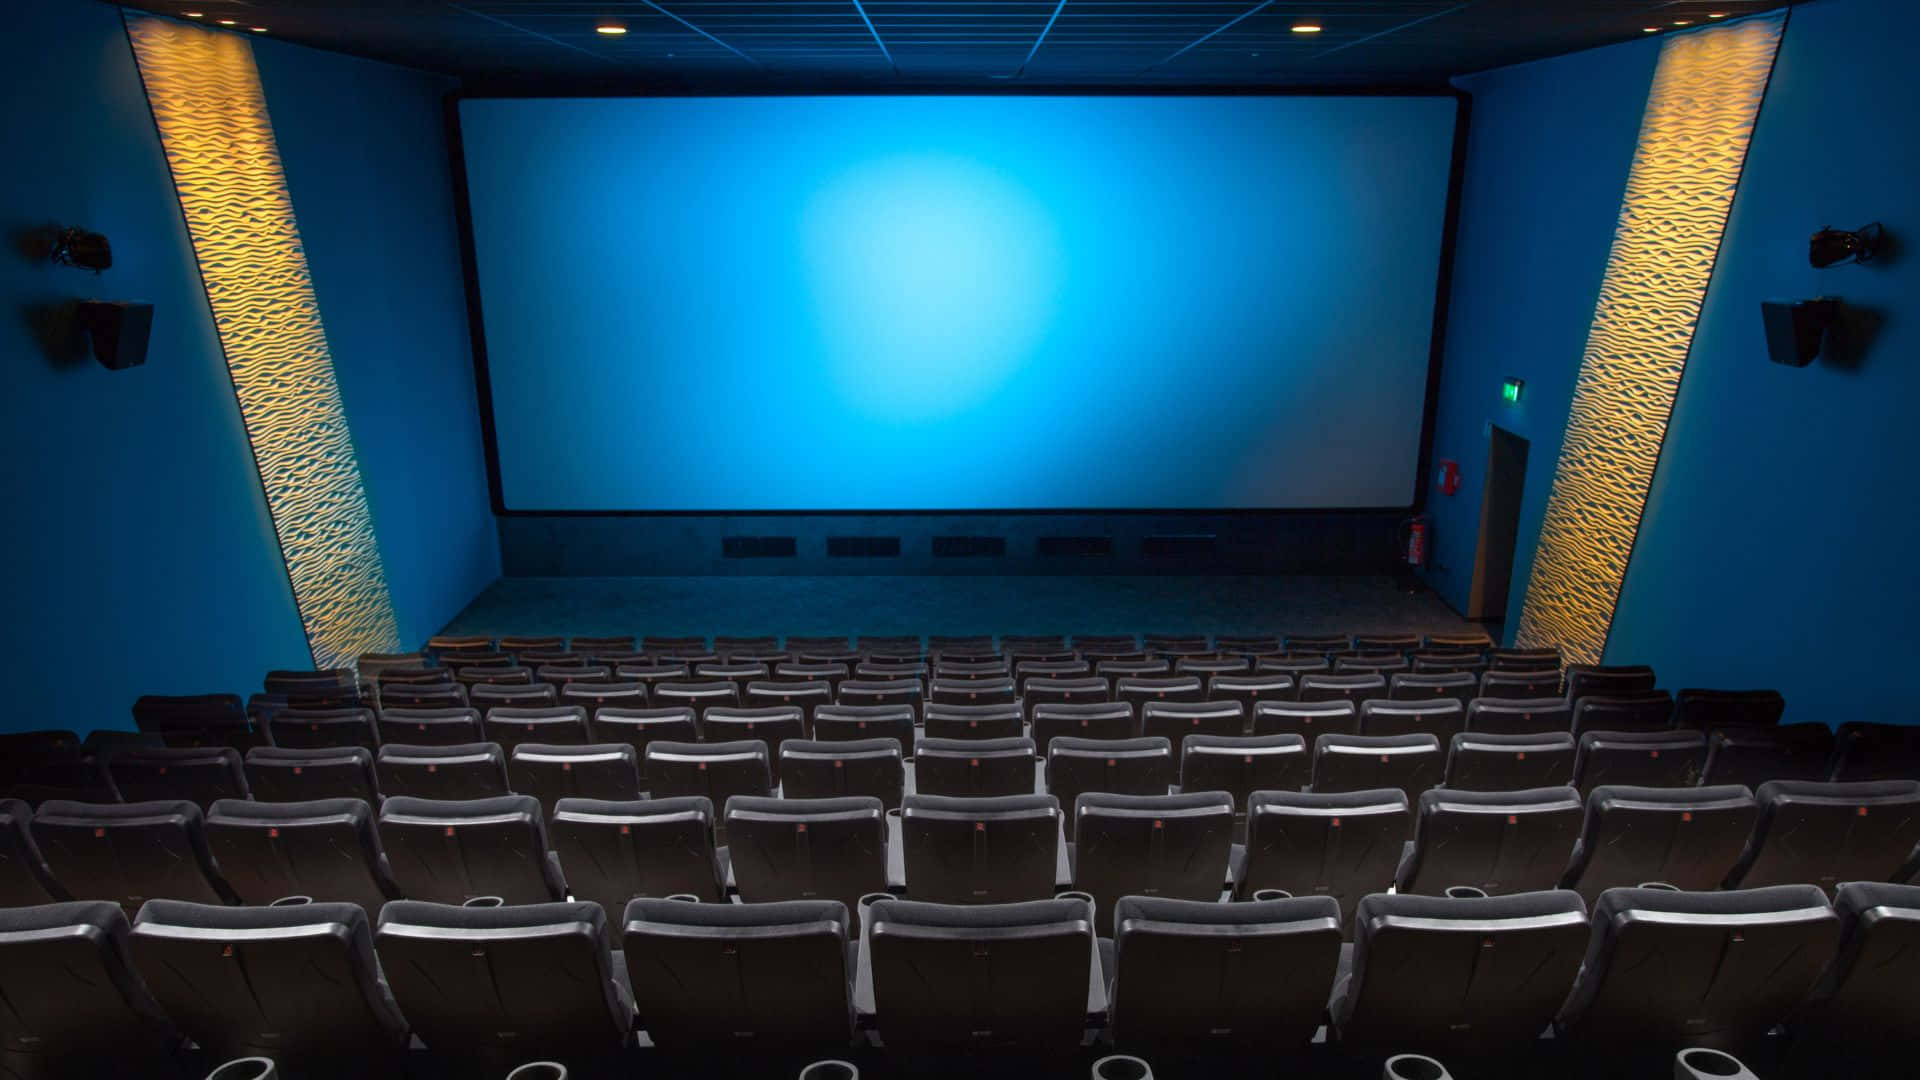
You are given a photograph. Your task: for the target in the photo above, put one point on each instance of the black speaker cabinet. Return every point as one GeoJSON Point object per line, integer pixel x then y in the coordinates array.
{"type": "Point", "coordinates": [119, 329]}
{"type": "Point", "coordinates": [1797, 329]}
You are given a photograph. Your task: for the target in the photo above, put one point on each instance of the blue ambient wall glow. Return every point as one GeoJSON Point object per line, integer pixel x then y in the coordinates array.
{"type": "Point", "coordinates": [914, 303]}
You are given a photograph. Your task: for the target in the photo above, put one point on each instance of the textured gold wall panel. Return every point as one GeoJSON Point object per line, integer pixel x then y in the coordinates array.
{"type": "Point", "coordinates": [1706, 94]}
{"type": "Point", "coordinates": [212, 115]}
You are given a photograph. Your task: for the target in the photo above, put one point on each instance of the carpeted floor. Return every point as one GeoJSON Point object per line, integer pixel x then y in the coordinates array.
{"type": "Point", "coordinates": [953, 605]}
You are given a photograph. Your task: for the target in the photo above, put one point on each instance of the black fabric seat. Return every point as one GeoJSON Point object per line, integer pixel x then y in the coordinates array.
{"type": "Point", "coordinates": [1867, 750]}
{"type": "Point", "coordinates": [717, 771]}
{"type": "Point", "coordinates": [594, 696]}
{"type": "Point", "coordinates": [808, 696]}
{"type": "Point", "coordinates": [987, 691]}
{"type": "Point", "coordinates": [807, 849]}
{"type": "Point", "coordinates": [596, 771]}
{"type": "Point", "coordinates": [532, 643]}
{"type": "Point", "coordinates": [1412, 763]}
{"type": "Point", "coordinates": [561, 724]}
{"type": "Point", "coordinates": [195, 719]}
{"type": "Point", "coordinates": [275, 774]}
{"type": "Point", "coordinates": [1526, 685]}
{"type": "Point", "coordinates": [1355, 687]}
{"type": "Point", "coordinates": [974, 768]}
{"type": "Point", "coordinates": [326, 850]}
{"type": "Point", "coordinates": [1027, 671]}
{"type": "Point", "coordinates": [881, 692]}
{"type": "Point", "coordinates": [612, 852]}
{"type": "Point", "coordinates": [1717, 710]}
{"type": "Point", "coordinates": [856, 723]}
{"type": "Point", "coordinates": [1083, 690]}
{"type": "Point", "coordinates": [453, 851]}
{"type": "Point", "coordinates": [980, 851]}
{"type": "Point", "coordinates": [1121, 766]}
{"type": "Point", "coordinates": [1460, 686]}
{"type": "Point", "coordinates": [1688, 838]}
{"type": "Point", "coordinates": [1472, 641]}
{"type": "Point", "coordinates": [1320, 643]}
{"type": "Point", "coordinates": [1859, 1019]}
{"type": "Point", "coordinates": [1307, 719]}
{"type": "Point", "coordinates": [740, 978]}
{"type": "Point", "coordinates": [24, 877]}
{"type": "Point", "coordinates": [1030, 997]}
{"type": "Point", "coordinates": [1652, 711]}
{"type": "Point", "coordinates": [1104, 721]}
{"type": "Point", "coordinates": [1440, 662]}
{"type": "Point", "coordinates": [1751, 755]}
{"type": "Point", "coordinates": [810, 769]}
{"type": "Point", "coordinates": [771, 726]}
{"type": "Point", "coordinates": [1383, 664]}
{"type": "Point", "coordinates": [639, 728]}
{"type": "Point", "coordinates": [298, 728]}
{"type": "Point", "coordinates": [506, 984]}
{"type": "Point", "coordinates": [1241, 765]}
{"type": "Point", "coordinates": [605, 643]}
{"type": "Point", "coordinates": [1499, 842]}
{"type": "Point", "coordinates": [1640, 759]}
{"type": "Point", "coordinates": [1171, 846]}
{"type": "Point", "coordinates": [1250, 690]}
{"type": "Point", "coordinates": [1519, 659]}
{"type": "Point", "coordinates": [418, 696]}
{"type": "Point", "coordinates": [52, 764]}
{"type": "Point", "coordinates": [487, 696]}
{"type": "Point", "coordinates": [1343, 845]}
{"type": "Point", "coordinates": [564, 671]}
{"type": "Point", "coordinates": [1202, 979]}
{"type": "Point", "coordinates": [696, 694]}
{"type": "Point", "coordinates": [1140, 691]}
{"type": "Point", "coordinates": [1519, 716]}
{"type": "Point", "coordinates": [1479, 762]}
{"type": "Point", "coordinates": [1442, 718]}
{"type": "Point", "coordinates": [461, 771]}
{"type": "Point", "coordinates": [1492, 971]}
{"type": "Point", "coordinates": [298, 984]}
{"type": "Point", "coordinates": [1176, 720]}
{"type": "Point", "coordinates": [1294, 666]}
{"type": "Point", "coordinates": [1811, 833]}
{"type": "Point", "coordinates": [74, 1005]}
{"type": "Point", "coordinates": [1607, 680]}
{"type": "Point", "coordinates": [1670, 969]}
{"type": "Point", "coordinates": [968, 722]}
{"type": "Point", "coordinates": [326, 687]}
{"type": "Point", "coordinates": [429, 727]}
{"type": "Point", "coordinates": [200, 775]}
{"type": "Point", "coordinates": [130, 853]}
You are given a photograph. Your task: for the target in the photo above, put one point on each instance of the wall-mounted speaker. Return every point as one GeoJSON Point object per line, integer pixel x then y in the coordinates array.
{"type": "Point", "coordinates": [1797, 329]}
{"type": "Point", "coordinates": [119, 329]}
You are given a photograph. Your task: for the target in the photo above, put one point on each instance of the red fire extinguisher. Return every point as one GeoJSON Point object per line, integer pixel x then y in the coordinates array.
{"type": "Point", "coordinates": [1417, 541]}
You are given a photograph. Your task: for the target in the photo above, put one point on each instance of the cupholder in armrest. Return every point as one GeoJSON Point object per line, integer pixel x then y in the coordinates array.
{"type": "Point", "coordinates": [291, 901]}
{"type": "Point", "coordinates": [684, 897]}
{"type": "Point", "coordinates": [1122, 1067]}
{"type": "Point", "coordinates": [1661, 885]}
{"type": "Point", "coordinates": [831, 1069]}
{"type": "Point", "coordinates": [248, 1068]}
{"type": "Point", "coordinates": [1414, 1067]}
{"type": "Point", "coordinates": [1703, 1064]}
{"type": "Point", "coordinates": [1465, 892]}
{"type": "Point", "coordinates": [1272, 894]}
{"type": "Point", "coordinates": [484, 901]}
{"type": "Point", "coordinates": [539, 1070]}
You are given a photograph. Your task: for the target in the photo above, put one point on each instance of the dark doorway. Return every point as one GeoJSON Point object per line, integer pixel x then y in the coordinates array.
{"type": "Point", "coordinates": [1499, 525]}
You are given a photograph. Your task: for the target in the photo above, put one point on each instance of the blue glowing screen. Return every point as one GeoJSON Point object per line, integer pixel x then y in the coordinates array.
{"type": "Point", "coordinates": [957, 303]}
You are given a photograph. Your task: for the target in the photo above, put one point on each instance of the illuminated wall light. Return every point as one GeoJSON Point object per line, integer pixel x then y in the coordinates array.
{"type": "Point", "coordinates": [1307, 28]}
{"type": "Point", "coordinates": [225, 22]}
{"type": "Point", "coordinates": [211, 114]}
{"type": "Point", "coordinates": [1649, 29]}
{"type": "Point", "coordinates": [1699, 119]}
{"type": "Point", "coordinates": [194, 14]}
{"type": "Point", "coordinates": [610, 29]}
{"type": "Point", "coordinates": [258, 29]}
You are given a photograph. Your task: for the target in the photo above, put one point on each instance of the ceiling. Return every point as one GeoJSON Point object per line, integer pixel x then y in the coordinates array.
{"type": "Point", "coordinates": [1003, 45]}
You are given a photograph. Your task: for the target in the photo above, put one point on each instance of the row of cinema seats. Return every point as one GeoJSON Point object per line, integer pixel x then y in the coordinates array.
{"type": "Point", "coordinates": [963, 850]}
{"type": "Point", "coordinates": [326, 991]}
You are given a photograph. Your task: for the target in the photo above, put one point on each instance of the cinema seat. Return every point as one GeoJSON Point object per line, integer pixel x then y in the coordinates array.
{"type": "Point", "coordinates": [1385, 665]}
{"type": "Point", "coordinates": [415, 696]}
{"type": "Point", "coordinates": [1250, 690]}
{"type": "Point", "coordinates": [650, 673]}
{"type": "Point", "coordinates": [1602, 680]}
{"type": "Point", "coordinates": [597, 771]}
{"type": "Point", "coordinates": [1026, 669]}
{"type": "Point", "coordinates": [561, 724]}
{"type": "Point", "coordinates": [1343, 845]}
{"type": "Point", "coordinates": [75, 1006]}
{"type": "Point", "coordinates": [464, 771]}
{"type": "Point", "coordinates": [608, 643]}
{"type": "Point", "coordinates": [1444, 976]}
{"type": "Point", "coordinates": [502, 985]}
{"type": "Point", "coordinates": [195, 719]}
{"type": "Point", "coordinates": [1441, 718]}
{"type": "Point", "coordinates": [612, 852]}
{"type": "Point", "coordinates": [1317, 643]}
{"type": "Point", "coordinates": [1412, 763]}
{"type": "Point", "coordinates": [129, 853]}
{"type": "Point", "coordinates": [882, 692]}
{"type": "Point", "coordinates": [1472, 641]}
{"type": "Point", "coordinates": [1478, 762]}
{"type": "Point", "coordinates": [978, 691]}
{"type": "Point", "coordinates": [1751, 755]}
{"type": "Point", "coordinates": [807, 849]}
{"type": "Point", "coordinates": [1121, 766]}
{"type": "Point", "coordinates": [968, 722]}
{"type": "Point", "coordinates": [1102, 721]}
{"type": "Point", "coordinates": [278, 775]}
{"type": "Point", "coordinates": [1866, 750]}
{"type": "Point", "coordinates": [454, 851]}
{"type": "Point", "coordinates": [1175, 721]}
{"type": "Point", "coordinates": [1354, 688]}
{"type": "Point", "coordinates": [771, 726]}
{"type": "Point", "coordinates": [857, 723]}
{"type": "Point", "coordinates": [1523, 659]}
{"type": "Point", "coordinates": [639, 728]}
{"type": "Point", "coordinates": [323, 688]}
{"type": "Point", "coordinates": [1197, 979]}
{"type": "Point", "coordinates": [724, 979]}
{"type": "Point", "coordinates": [1859, 1019]}
{"type": "Point", "coordinates": [1138, 691]}
{"type": "Point", "coordinates": [1652, 711]}
{"type": "Point", "coordinates": [1525, 684]}
{"type": "Point", "coordinates": [199, 775]}
{"type": "Point", "coordinates": [980, 851]}
{"type": "Point", "coordinates": [1639, 759]}
{"type": "Point", "coordinates": [1717, 710]}
{"type": "Point", "coordinates": [325, 850]}
{"type": "Point", "coordinates": [1811, 833]}
{"type": "Point", "coordinates": [808, 696]}
{"type": "Point", "coordinates": [306, 728]}
{"type": "Point", "coordinates": [1519, 716]}
{"type": "Point", "coordinates": [571, 672]}
{"type": "Point", "coordinates": [429, 727]}
{"type": "Point", "coordinates": [1241, 765]}
{"type": "Point", "coordinates": [803, 643]}
{"type": "Point", "coordinates": [1459, 686]}
{"type": "Point", "coordinates": [24, 877]}
{"type": "Point", "coordinates": [297, 984]}
{"type": "Point", "coordinates": [1209, 668]}
{"type": "Point", "coordinates": [1499, 842]}
{"type": "Point", "coordinates": [698, 695]}
{"type": "Point", "coordinates": [518, 643]}
{"type": "Point", "coordinates": [717, 771]}
{"type": "Point", "coordinates": [1032, 998]}
{"type": "Point", "coordinates": [811, 769]}
{"type": "Point", "coordinates": [1689, 838]}
{"type": "Point", "coordinates": [486, 696]}
{"type": "Point", "coordinates": [1084, 690]}
{"type": "Point", "coordinates": [740, 675]}
{"type": "Point", "coordinates": [1450, 663]}
{"type": "Point", "coordinates": [1294, 666]}
{"type": "Point", "coordinates": [442, 644]}
{"type": "Point", "coordinates": [1668, 969]}
{"type": "Point", "coordinates": [1171, 846]}
{"type": "Point", "coordinates": [1307, 719]}
{"type": "Point", "coordinates": [974, 768]}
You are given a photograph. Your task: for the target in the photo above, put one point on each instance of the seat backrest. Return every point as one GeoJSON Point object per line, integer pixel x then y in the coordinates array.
{"type": "Point", "coordinates": [453, 851]}
{"type": "Point", "coordinates": [1602, 680]}
{"type": "Point", "coordinates": [1492, 971]}
{"type": "Point", "coordinates": [530, 981]}
{"type": "Point", "coordinates": [326, 850]}
{"type": "Point", "coordinates": [1243, 764]}
{"type": "Point", "coordinates": [808, 696]}
{"type": "Point", "coordinates": [1356, 687]}
{"type": "Point", "coordinates": [1869, 750]}
{"type": "Point", "coordinates": [1651, 711]}
{"type": "Point", "coordinates": [696, 694]}
{"type": "Point", "coordinates": [1108, 720]}
{"type": "Point", "coordinates": [1477, 762]}
{"type": "Point", "coordinates": [1457, 686]}
{"type": "Point", "coordinates": [296, 983]}
{"type": "Point", "coordinates": [638, 728]}
{"type": "Point", "coordinates": [1139, 691]}
{"type": "Point", "coordinates": [24, 877]}
{"type": "Point", "coordinates": [718, 771]}
{"type": "Point", "coordinates": [1206, 978]}
{"type": "Point", "coordinates": [1688, 838]}
{"type": "Point", "coordinates": [1344, 845]}
{"type": "Point", "coordinates": [1307, 719]}
{"type": "Point", "coordinates": [1499, 842]}
{"type": "Point", "coordinates": [1445, 662]}
{"type": "Point", "coordinates": [1122, 766]}
{"type": "Point", "coordinates": [849, 723]}
{"type": "Point", "coordinates": [1640, 759]}
{"type": "Point", "coordinates": [810, 769]}
{"type": "Point", "coordinates": [129, 853]}
{"type": "Point", "coordinates": [459, 771]}
{"type": "Point", "coordinates": [974, 722]}
{"type": "Point", "coordinates": [1524, 659]}
{"type": "Point", "coordinates": [275, 774]}
{"type": "Point", "coordinates": [1716, 710]}
{"type": "Point", "coordinates": [424, 695]}
{"type": "Point", "coordinates": [1294, 666]}
{"type": "Point", "coordinates": [1519, 716]}
{"type": "Point", "coordinates": [194, 719]}
{"type": "Point", "coordinates": [200, 775]}
{"type": "Point", "coordinates": [514, 696]}
{"type": "Point", "coordinates": [1864, 1004]}
{"type": "Point", "coordinates": [1412, 763]}
{"type": "Point", "coordinates": [1528, 684]}
{"type": "Point", "coordinates": [974, 768]}
{"type": "Point", "coordinates": [1176, 720]}
{"type": "Point", "coordinates": [1028, 967]}
{"type": "Point", "coordinates": [296, 728]}
{"type": "Point", "coordinates": [612, 852]}
{"type": "Point", "coordinates": [1442, 718]}
{"type": "Point", "coordinates": [709, 976]}
{"type": "Point", "coordinates": [1319, 643]}
{"type": "Point", "coordinates": [1669, 969]}
{"type": "Point", "coordinates": [75, 1006]}
{"type": "Point", "coordinates": [597, 771]}
{"type": "Point", "coordinates": [974, 691]}
{"type": "Point", "coordinates": [1083, 689]}
{"type": "Point", "coordinates": [807, 849]}
{"type": "Point", "coordinates": [430, 727]}
{"type": "Point", "coordinates": [1249, 690]}
{"type": "Point", "coordinates": [594, 696]}
{"type": "Point", "coordinates": [562, 724]}
{"type": "Point", "coordinates": [1150, 845]}
{"type": "Point", "coordinates": [772, 726]}
{"type": "Point", "coordinates": [1810, 833]}
{"type": "Point", "coordinates": [980, 851]}
{"type": "Point", "coordinates": [881, 692]}
{"type": "Point", "coordinates": [330, 686]}
{"type": "Point", "coordinates": [1751, 755]}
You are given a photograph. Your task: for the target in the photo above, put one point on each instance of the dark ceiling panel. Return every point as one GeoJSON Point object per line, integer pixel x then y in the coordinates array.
{"type": "Point", "coordinates": [956, 44]}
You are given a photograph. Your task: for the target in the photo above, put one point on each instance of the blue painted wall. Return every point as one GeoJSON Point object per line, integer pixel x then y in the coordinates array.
{"type": "Point", "coordinates": [140, 554]}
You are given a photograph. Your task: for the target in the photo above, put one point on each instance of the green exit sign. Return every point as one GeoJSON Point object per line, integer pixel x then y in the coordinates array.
{"type": "Point", "coordinates": [1510, 390]}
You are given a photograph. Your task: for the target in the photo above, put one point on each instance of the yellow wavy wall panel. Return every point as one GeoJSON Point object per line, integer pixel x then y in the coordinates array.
{"type": "Point", "coordinates": [212, 116]}
{"type": "Point", "coordinates": [1706, 95]}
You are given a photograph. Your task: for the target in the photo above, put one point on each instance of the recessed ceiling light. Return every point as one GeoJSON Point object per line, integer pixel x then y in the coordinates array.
{"type": "Point", "coordinates": [1306, 28]}
{"type": "Point", "coordinates": [610, 29]}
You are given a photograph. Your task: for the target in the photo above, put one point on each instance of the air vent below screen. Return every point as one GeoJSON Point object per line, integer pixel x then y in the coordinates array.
{"type": "Point", "coordinates": [1181, 545]}
{"type": "Point", "coordinates": [1074, 546]}
{"type": "Point", "coordinates": [969, 547]}
{"type": "Point", "coordinates": [757, 547]}
{"type": "Point", "coordinates": [863, 547]}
